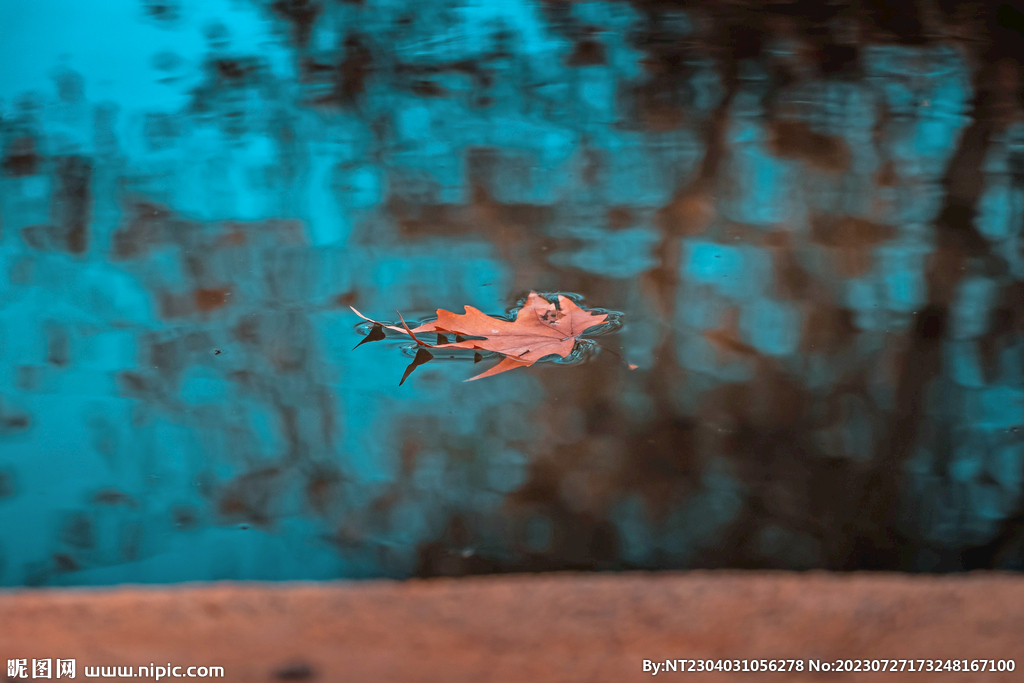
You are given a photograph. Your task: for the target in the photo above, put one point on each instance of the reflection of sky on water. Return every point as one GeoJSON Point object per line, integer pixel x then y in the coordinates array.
{"type": "Point", "coordinates": [820, 273]}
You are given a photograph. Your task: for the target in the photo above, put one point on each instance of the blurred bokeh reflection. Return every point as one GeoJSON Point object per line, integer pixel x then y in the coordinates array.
{"type": "Point", "coordinates": [811, 223]}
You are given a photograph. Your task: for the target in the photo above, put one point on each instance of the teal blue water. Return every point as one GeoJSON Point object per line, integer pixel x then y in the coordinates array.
{"type": "Point", "coordinates": [811, 242]}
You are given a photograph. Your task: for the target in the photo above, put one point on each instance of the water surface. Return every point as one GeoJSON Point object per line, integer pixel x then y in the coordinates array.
{"type": "Point", "coordinates": [809, 220]}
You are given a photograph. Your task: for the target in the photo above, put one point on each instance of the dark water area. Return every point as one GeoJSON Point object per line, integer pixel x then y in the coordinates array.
{"type": "Point", "coordinates": [806, 218]}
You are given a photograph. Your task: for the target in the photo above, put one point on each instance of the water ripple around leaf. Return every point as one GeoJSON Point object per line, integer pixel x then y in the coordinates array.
{"type": "Point", "coordinates": [586, 349]}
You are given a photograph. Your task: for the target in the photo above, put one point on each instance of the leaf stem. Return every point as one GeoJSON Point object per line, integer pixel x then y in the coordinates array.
{"type": "Point", "coordinates": [629, 365]}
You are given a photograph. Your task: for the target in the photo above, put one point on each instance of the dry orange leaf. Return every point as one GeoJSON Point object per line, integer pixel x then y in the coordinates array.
{"type": "Point", "coordinates": [541, 328]}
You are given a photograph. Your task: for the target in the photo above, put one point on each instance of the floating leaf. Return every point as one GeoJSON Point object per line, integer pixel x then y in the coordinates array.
{"type": "Point", "coordinates": [541, 328]}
